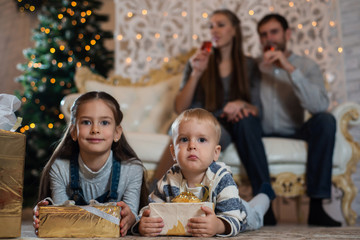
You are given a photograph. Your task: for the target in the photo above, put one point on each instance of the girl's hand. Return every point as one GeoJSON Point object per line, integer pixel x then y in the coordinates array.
{"type": "Point", "coordinates": [36, 221]}
{"type": "Point", "coordinates": [207, 226]}
{"type": "Point", "coordinates": [236, 110]}
{"type": "Point", "coordinates": [148, 226]}
{"type": "Point", "coordinates": [127, 218]}
{"type": "Point", "coordinates": [199, 61]}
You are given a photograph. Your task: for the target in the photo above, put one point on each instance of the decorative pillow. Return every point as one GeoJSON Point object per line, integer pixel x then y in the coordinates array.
{"type": "Point", "coordinates": [145, 108]}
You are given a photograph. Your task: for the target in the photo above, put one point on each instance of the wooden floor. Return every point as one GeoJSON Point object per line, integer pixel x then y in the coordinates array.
{"type": "Point", "coordinates": [281, 231]}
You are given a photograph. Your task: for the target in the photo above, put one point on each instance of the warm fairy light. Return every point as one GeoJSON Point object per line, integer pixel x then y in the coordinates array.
{"type": "Point", "coordinates": [148, 59]}
{"type": "Point", "coordinates": [204, 15]}
{"type": "Point", "coordinates": [32, 125]}
{"type": "Point", "coordinates": [68, 85]}
{"type": "Point", "coordinates": [62, 47]}
{"type": "Point", "coordinates": [128, 60]}
{"type": "Point", "coordinates": [52, 80]}
{"type": "Point", "coordinates": [50, 125]}
{"type": "Point", "coordinates": [26, 127]}
{"type": "Point", "coordinates": [82, 20]}
{"type": "Point", "coordinates": [144, 12]}
{"type": "Point", "coordinates": [80, 36]}
{"type": "Point", "coordinates": [47, 31]}
{"type": "Point", "coordinates": [340, 49]}
{"type": "Point", "coordinates": [74, 22]}
{"type": "Point", "coordinates": [119, 37]}
{"type": "Point", "coordinates": [166, 14]}
{"type": "Point", "coordinates": [194, 36]}
{"type": "Point", "coordinates": [60, 65]}
{"type": "Point", "coordinates": [43, 79]}
{"type": "Point", "coordinates": [78, 64]}
{"type": "Point", "coordinates": [166, 59]}
{"type": "Point", "coordinates": [314, 23]}
{"type": "Point", "coordinates": [97, 36]}
{"type": "Point", "coordinates": [87, 59]}
{"type": "Point", "coordinates": [251, 12]}
{"type": "Point", "coordinates": [138, 36]}
{"type": "Point", "coordinates": [320, 49]}
{"type": "Point", "coordinates": [183, 13]}
{"type": "Point", "coordinates": [175, 36]}
{"type": "Point", "coordinates": [23, 99]}
{"type": "Point", "coordinates": [88, 12]}
{"type": "Point", "coordinates": [62, 83]}
{"type": "Point", "coordinates": [42, 29]}
{"type": "Point", "coordinates": [42, 108]}
{"type": "Point", "coordinates": [130, 14]}
{"type": "Point", "coordinates": [52, 50]}
{"type": "Point", "coordinates": [271, 8]}
{"type": "Point", "coordinates": [22, 130]}
{"type": "Point", "coordinates": [93, 42]}
{"type": "Point", "coordinates": [291, 4]}
{"type": "Point", "coordinates": [32, 84]}
{"type": "Point", "coordinates": [332, 24]}
{"type": "Point", "coordinates": [87, 48]}
{"type": "Point", "coordinates": [61, 116]}
{"type": "Point", "coordinates": [53, 61]}
{"type": "Point", "coordinates": [37, 101]}
{"type": "Point", "coordinates": [157, 35]}
{"type": "Point", "coordinates": [300, 26]}
{"type": "Point", "coordinates": [32, 8]}
{"type": "Point", "coordinates": [60, 16]}
{"type": "Point", "coordinates": [70, 52]}
{"type": "Point", "coordinates": [68, 10]}
{"type": "Point", "coordinates": [73, 3]}
{"type": "Point", "coordinates": [83, 14]}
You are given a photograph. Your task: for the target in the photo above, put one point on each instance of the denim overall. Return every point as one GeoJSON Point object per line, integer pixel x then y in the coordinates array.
{"type": "Point", "coordinates": [78, 195]}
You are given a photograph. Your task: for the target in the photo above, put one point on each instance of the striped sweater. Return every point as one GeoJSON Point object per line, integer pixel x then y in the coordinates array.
{"type": "Point", "coordinates": [222, 189]}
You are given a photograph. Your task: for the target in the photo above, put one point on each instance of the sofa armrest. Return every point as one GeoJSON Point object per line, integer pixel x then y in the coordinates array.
{"type": "Point", "coordinates": [346, 114]}
{"type": "Point", "coordinates": [66, 104]}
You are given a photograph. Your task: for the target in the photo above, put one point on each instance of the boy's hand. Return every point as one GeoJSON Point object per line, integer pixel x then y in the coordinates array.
{"type": "Point", "coordinates": [206, 226]}
{"type": "Point", "coordinates": [36, 221]}
{"type": "Point", "coordinates": [150, 227]}
{"type": "Point", "coordinates": [127, 218]}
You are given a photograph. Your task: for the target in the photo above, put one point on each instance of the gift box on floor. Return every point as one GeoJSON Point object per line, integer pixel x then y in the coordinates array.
{"type": "Point", "coordinates": [79, 221]}
{"type": "Point", "coordinates": [177, 215]}
{"type": "Point", "coordinates": [12, 155]}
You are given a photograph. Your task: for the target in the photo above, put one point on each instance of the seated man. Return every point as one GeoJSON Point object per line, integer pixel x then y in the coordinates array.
{"type": "Point", "coordinates": [291, 84]}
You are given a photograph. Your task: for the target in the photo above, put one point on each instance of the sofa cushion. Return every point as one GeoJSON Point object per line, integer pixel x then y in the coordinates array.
{"type": "Point", "coordinates": [147, 109]}
{"type": "Point", "coordinates": [280, 151]}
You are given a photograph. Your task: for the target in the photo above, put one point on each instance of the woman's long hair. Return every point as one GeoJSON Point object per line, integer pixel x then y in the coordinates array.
{"type": "Point", "coordinates": [210, 81]}
{"type": "Point", "coordinates": [67, 147]}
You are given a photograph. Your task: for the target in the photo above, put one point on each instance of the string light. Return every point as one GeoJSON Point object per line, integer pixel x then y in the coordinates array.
{"type": "Point", "coordinates": [291, 4]}
{"type": "Point", "coordinates": [144, 12]}
{"type": "Point", "coordinates": [50, 125]}
{"type": "Point", "coordinates": [340, 49]}
{"type": "Point", "coordinates": [61, 116]}
{"type": "Point", "coordinates": [32, 125]}
{"type": "Point", "coordinates": [300, 26]}
{"type": "Point", "coordinates": [251, 12]}
{"type": "Point", "coordinates": [119, 37]}
{"type": "Point", "coordinates": [205, 15]}
{"type": "Point", "coordinates": [183, 13]}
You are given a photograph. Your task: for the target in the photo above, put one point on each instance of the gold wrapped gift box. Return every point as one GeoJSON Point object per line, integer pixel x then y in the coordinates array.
{"type": "Point", "coordinates": [12, 155]}
{"type": "Point", "coordinates": [177, 215]}
{"type": "Point", "coordinates": [79, 221]}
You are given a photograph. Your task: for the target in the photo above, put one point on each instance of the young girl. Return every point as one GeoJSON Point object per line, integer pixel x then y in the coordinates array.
{"type": "Point", "coordinates": [94, 161]}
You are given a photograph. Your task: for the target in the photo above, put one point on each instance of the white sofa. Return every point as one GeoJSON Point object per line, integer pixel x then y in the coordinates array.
{"type": "Point", "coordinates": [148, 112]}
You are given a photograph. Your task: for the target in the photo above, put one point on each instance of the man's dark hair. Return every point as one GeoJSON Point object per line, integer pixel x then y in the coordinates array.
{"type": "Point", "coordinates": [276, 17]}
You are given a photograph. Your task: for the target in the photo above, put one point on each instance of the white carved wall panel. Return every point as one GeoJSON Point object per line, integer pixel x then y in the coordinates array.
{"type": "Point", "coordinates": [149, 32]}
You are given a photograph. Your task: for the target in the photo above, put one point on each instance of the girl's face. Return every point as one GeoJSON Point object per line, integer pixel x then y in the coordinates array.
{"type": "Point", "coordinates": [95, 128]}
{"type": "Point", "coordinates": [222, 31]}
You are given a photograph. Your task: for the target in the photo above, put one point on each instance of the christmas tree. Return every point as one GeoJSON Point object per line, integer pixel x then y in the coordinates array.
{"type": "Point", "coordinates": [68, 36]}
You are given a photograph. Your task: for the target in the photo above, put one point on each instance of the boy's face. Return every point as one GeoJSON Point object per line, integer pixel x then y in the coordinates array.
{"type": "Point", "coordinates": [195, 146]}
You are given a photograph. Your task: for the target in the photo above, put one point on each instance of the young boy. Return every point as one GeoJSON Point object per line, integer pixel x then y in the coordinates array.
{"type": "Point", "coordinates": [195, 149]}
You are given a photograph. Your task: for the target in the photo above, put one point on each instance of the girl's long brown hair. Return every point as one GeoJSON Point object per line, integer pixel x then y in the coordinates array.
{"type": "Point", "coordinates": [210, 80]}
{"type": "Point", "coordinates": [67, 147]}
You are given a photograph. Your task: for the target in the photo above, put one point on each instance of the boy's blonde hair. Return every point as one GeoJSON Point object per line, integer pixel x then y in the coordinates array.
{"type": "Point", "coordinates": [198, 114]}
